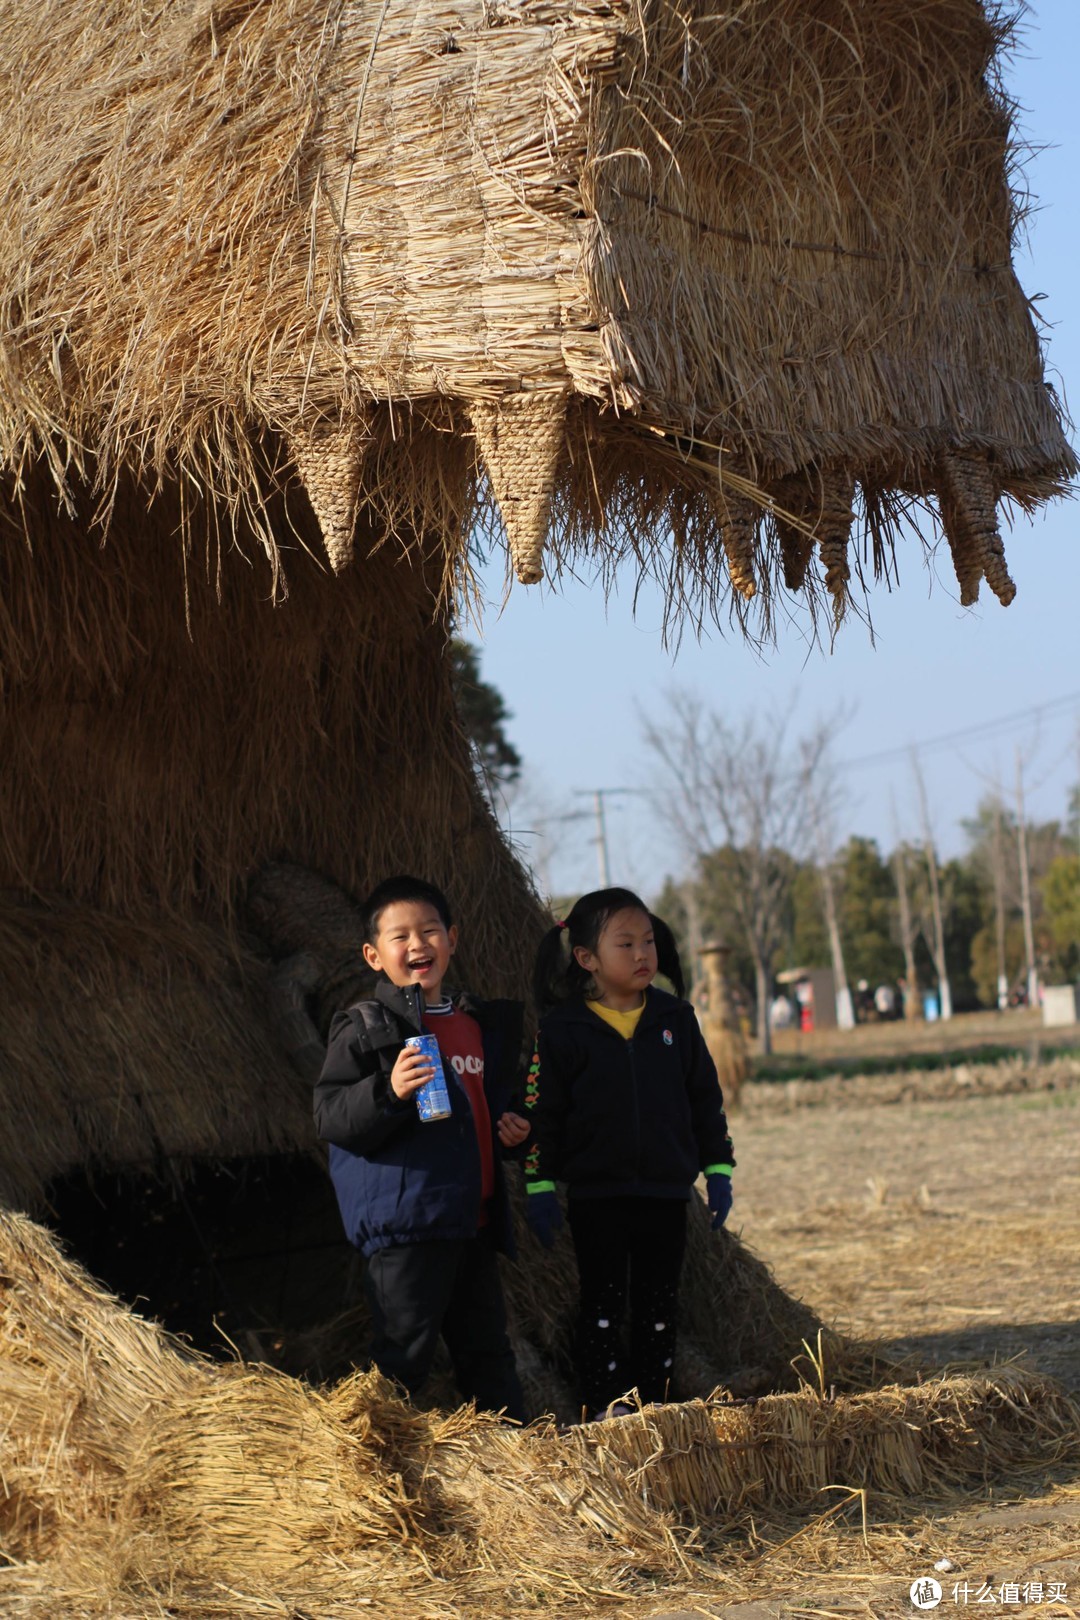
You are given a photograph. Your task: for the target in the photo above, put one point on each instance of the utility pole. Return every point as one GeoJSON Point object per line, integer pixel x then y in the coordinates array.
{"type": "Point", "coordinates": [1025, 886]}
{"type": "Point", "coordinates": [999, 908]}
{"type": "Point", "coordinates": [598, 795]}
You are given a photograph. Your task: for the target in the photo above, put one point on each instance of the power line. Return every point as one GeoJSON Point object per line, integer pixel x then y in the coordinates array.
{"type": "Point", "coordinates": [969, 734]}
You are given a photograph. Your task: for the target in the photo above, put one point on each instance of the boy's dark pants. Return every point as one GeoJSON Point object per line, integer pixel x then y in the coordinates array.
{"type": "Point", "coordinates": [417, 1291]}
{"type": "Point", "coordinates": [627, 1247]}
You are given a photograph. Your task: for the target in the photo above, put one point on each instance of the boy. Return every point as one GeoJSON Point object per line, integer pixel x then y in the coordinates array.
{"type": "Point", "coordinates": [425, 1201]}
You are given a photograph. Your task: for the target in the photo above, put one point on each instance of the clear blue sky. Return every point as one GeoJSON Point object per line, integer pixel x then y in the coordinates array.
{"type": "Point", "coordinates": [578, 674]}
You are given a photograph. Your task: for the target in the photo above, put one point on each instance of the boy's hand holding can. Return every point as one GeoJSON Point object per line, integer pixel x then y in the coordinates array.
{"type": "Point", "coordinates": [432, 1098]}
{"type": "Point", "coordinates": [412, 1069]}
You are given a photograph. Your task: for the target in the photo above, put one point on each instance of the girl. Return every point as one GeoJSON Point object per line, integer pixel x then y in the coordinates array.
{"type": "Point", "coordinates": [626, 1109]}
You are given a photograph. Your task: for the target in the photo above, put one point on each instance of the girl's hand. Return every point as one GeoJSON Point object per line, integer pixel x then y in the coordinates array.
{"type": "Point", "coordinates": [411, 1071]}
{"type": "Point", "coordinates": [512, 1130]}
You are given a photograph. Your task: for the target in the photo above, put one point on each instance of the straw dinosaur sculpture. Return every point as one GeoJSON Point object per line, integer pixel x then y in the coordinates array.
{"type": "Point", "coordinates": [295, 298]}
{"type": "Point", "coordinates": [724, 275]}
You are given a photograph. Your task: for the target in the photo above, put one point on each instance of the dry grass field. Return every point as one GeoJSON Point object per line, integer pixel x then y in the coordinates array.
{"type": "Point", "coordinates": [946, 1227]}
{"type": "Point", "coordinates": [1019, 1028]}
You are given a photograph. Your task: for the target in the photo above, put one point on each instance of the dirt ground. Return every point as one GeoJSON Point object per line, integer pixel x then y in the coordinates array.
{"type": "Point", "coordinates": [947, 1227]}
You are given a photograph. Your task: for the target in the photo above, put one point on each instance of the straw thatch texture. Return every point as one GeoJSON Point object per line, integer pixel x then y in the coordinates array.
{"type": "Point", "coordinates": [697, 246]}
{"type": "Point", "coordinates": [126, 1044]}
{"type": "Point", "coordinates": [167, 732]}
{"type": "Point", "coordinates": [135, 1475]}
{"type": "Point", "coordinates": [166, 729]}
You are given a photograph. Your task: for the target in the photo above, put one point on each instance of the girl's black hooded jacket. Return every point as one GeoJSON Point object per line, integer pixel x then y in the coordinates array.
{"type": "Point", "coordinates": [616, 1118]}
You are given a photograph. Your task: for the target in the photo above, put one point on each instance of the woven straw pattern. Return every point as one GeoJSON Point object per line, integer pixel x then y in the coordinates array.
{"type": "Point", "coordinates": [330, 460]}
{"type": "Point", "coordinates": [833, 530]}
{"type": "Point", "coordinates": [794, 495]}
{"type": "Point", "coordinates": [967, 493]}
{"type": "Point", "coordinates": [738, 531]}
{"type": "Point", "coordinates": [774, 239]}
{"type": "Point", "coordinates": [519, 441]}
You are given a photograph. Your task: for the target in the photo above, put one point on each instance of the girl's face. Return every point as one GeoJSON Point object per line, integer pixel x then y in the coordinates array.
{"type": "Point", "coordinates": [624, 962]}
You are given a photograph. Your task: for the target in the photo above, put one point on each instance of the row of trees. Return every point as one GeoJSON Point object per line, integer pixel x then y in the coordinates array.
{"type": "Point", "coordinates": [758, 813]}
{"type": "Point", "coordinates": [766, 870]}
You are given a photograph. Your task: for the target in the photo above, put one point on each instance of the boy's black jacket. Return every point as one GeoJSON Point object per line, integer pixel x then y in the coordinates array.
{"type": "Point", "coordinates": [400, 1179]}
{"type": "Point", "coordinates": [615, 1118]}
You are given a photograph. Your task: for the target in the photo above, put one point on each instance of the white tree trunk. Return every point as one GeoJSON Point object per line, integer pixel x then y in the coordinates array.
{"type": "Point", "coordinates": [764, 1028]}
{"type": "Point", "coordinates": [1025, 888]}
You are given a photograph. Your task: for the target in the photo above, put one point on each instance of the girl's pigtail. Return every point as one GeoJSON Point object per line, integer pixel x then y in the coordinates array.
{"type": "Point", "coordinates": [667, 954]}
{"type": "Point", "coordinates": [549, 973]}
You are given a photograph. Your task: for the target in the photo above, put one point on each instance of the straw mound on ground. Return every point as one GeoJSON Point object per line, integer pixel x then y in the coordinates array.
{"type": "Point", "coordinates": [134, 1474]}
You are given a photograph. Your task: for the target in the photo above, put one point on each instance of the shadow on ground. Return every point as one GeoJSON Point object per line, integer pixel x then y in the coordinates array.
{"type": "Point", "coordinates": [1049, 1347]}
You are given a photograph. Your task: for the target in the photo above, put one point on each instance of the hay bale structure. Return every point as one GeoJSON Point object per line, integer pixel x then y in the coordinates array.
{"type": "Point", "coordinates": [141, 1480]}
{"type": "Point", "coordinates": [293, 298]}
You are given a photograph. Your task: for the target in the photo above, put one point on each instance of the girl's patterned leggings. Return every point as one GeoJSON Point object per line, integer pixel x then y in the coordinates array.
{"type": "Point", "coordinates": [629, 1252]}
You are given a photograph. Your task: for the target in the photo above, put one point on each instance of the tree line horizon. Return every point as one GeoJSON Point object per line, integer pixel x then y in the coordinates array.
{"type": "Point", "coordinates": [766, 872]}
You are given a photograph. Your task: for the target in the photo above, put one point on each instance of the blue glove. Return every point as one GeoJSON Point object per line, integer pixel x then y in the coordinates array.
{"type": "Point", "coordinates": [544, 1217]}
{"type": "Point", "coordinates": [718, 1187]}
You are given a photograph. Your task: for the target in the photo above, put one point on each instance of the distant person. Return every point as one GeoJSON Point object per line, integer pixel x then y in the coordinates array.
{"type": "Point", "coordinates": [626, 1109]}
{"type": "Point", "coordinates": [885, 1001]}
{"type": "Point", "coordinates": [781, 1013]}
{"type": "Point", "coordinates": [424, 1199]}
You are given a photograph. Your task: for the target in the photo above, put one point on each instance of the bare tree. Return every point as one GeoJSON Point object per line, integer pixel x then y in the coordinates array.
{"type": "Point", "coordinates": [907, 934]}
{"type": "Point", "coordinates": [908, 930]}
{"type": "Point", "coordinates": [822, 806]}
{"type": "Point", "coordinates": [937, 939]}
{"type": "Point", "coordinates": [744, 789]}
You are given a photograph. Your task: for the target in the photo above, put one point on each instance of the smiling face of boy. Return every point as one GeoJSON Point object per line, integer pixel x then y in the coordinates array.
{"type": "Point", "coordinates": [412, 946]}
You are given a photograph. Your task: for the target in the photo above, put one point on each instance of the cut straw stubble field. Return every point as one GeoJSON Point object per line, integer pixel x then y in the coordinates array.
{"type": "Point", "coordinates": [949, 1228]}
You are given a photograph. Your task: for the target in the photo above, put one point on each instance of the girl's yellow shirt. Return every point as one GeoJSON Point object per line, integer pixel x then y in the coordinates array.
{"type": "Point", "coordinates": [623, 1023]}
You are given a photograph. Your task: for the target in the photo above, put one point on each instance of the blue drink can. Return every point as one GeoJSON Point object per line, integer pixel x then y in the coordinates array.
{"type": "Point", "coordinates": [432, 1100]}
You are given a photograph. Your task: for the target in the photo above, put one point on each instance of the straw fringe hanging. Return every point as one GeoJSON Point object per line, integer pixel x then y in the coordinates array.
{"type": "Point", "coordinates": [794, 495]}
